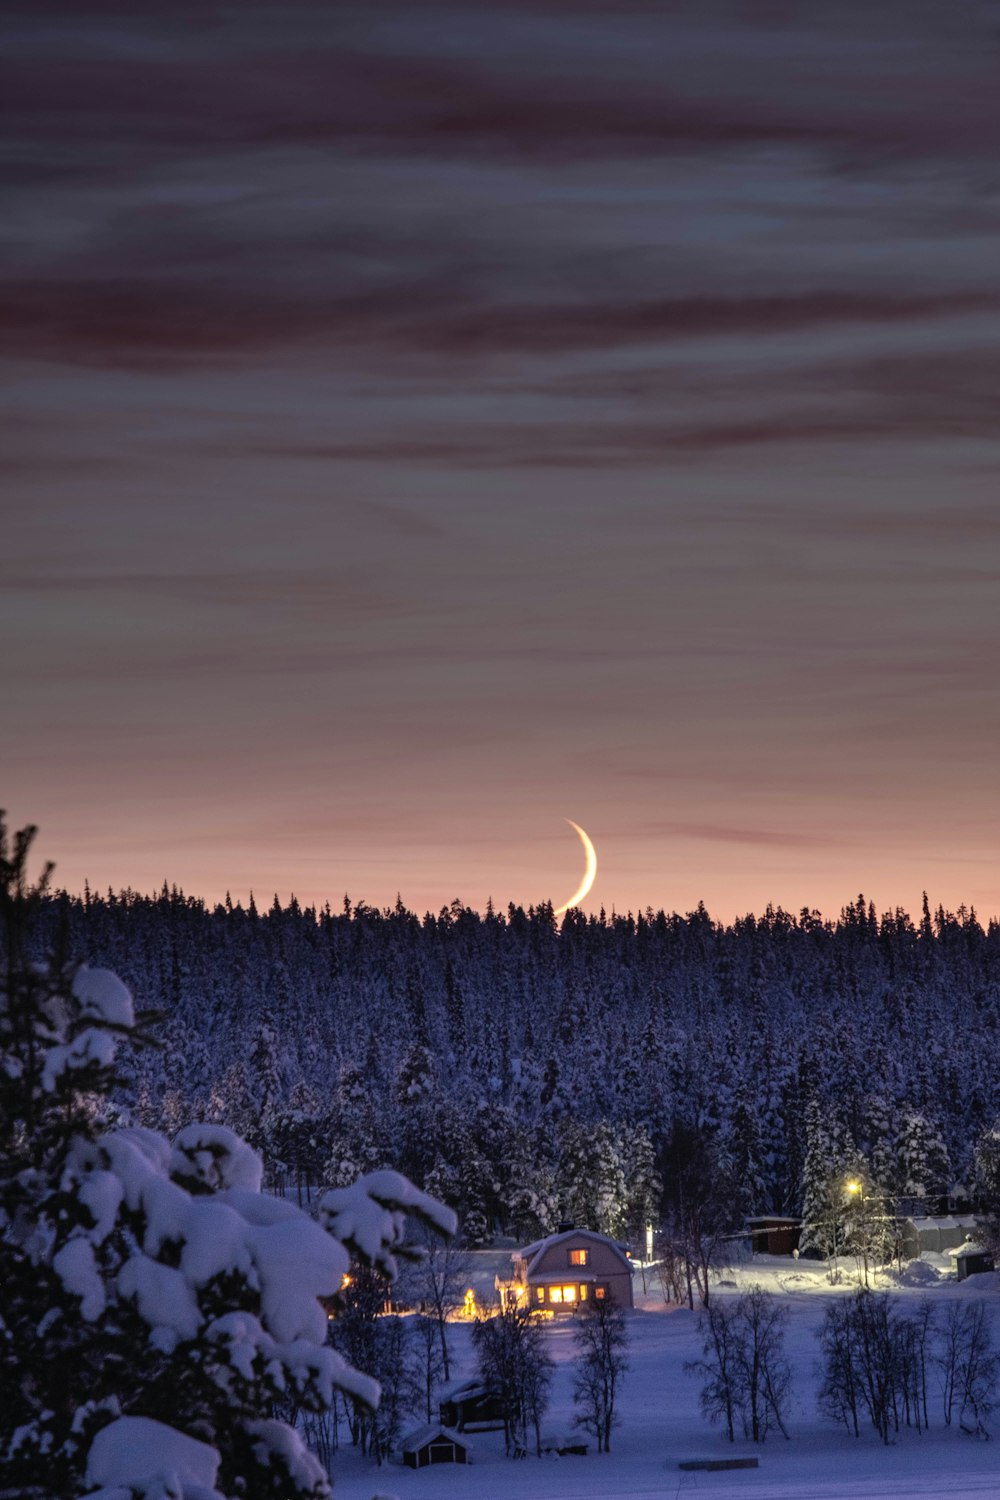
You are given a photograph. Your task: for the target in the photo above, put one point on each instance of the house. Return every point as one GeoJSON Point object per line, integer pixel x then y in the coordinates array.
{"type": "Point", "coordinates": [970, 1259]}
{"type": "Point", "coordinates": [473, 1406]}
{"type": "Point", "coordinates": [434, 1444]}
{"type": "Point", "coordinates": [771, 1234]}
{"type": "Point", "coordinates": [569, 1269]}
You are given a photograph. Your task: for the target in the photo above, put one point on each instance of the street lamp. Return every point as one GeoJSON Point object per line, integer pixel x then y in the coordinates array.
{"type": "Point", "coordinates": [857, 1190]}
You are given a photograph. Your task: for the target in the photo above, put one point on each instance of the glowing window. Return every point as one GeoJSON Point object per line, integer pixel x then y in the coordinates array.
{"type": "Point", "coordinates": [599, 1293]}
{"type": "Point", "coordinates": [569, 1293]}
{"type": "Point", "coordinates": [555, 1293]}
{"type": "Point", "coordinates": [540, 1293]}
{"type": "Point", "coordinates": [579, 1257]}
{"type": "Point", "coordinates": [583, 1293]}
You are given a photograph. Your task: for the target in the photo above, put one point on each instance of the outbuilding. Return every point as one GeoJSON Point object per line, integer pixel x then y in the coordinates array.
{"type": "Point", "coordinates": [938, 1233]}
{"type": "Point", "coordinates": [770, 1234]}
{"type": "Point", "coordinates": [473, 1405]}
{"type": "Point", "coordinates": [434, 1444]}
{"type": "Point", "coordinates": [972, 1258]}
{"type": "Point", "coordinates": [571, 1269]}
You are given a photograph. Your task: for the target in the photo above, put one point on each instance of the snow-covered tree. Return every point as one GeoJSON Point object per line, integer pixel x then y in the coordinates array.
{"type": "Point", "coordinates": [830, 1160]}
{"type": "Point", "coordinates": [535, 1204]}
{"type": "Point", "coordinates": [987, 1178]}
{"type": "Point", "coordinates": [878, 1141]}
{"type": "Point", "coordinates": [868, 1220]}
{"type": "Point", "coordinates": [154, 1304]}
{"type": "Point", "coordinates": [644, 1190]}
{"type": "Point", "coordinates": [745, 1155]}
{"type": "Point", "coordinates": [593, 1174]}
{"type": "Point", "coordinates": [923, 1169]}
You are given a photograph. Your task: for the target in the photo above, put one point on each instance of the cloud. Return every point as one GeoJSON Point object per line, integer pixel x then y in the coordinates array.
{"type": "Point", "coordinates": [559, 81]}
{"type": "Point", "coordinates": [472, 189]}
{"type": "Point", "coordinates": [163, 320]}
{"type": "Point", "coordinates": [721, 833]}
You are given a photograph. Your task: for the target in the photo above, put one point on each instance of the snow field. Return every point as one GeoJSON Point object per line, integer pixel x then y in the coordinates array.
{"type": "Point", "coordinates": [662, 1425]}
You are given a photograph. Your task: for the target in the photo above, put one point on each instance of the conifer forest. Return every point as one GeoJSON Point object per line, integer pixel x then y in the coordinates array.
{"type": "Point", "coordinates": [528, 1070]}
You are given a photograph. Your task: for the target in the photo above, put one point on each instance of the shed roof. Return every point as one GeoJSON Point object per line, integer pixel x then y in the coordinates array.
{"type": "Point", "coordinates": [942, 1221]}
{"type": "Point", "coordinates": [465, 1388]}
{"type": "Point", "coordinates": [421, 1436]}
{"type": "Point", "coordinates": [971, 1247]}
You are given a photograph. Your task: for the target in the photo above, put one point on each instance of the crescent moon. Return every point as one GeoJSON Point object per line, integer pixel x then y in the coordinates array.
{"type": "Point", "coordinates": [589, 874]}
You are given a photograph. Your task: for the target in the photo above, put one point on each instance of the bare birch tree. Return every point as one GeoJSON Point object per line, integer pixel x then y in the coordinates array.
{"type": "Point", "coordinates": [600, 1337]}
{"type": "Point", "coordinates": [744, 1369]}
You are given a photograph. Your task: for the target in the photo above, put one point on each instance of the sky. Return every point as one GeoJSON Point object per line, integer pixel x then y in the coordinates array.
{"type": "Point", "coordinates": [423, 424]}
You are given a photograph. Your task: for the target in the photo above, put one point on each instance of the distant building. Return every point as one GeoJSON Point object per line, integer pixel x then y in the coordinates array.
{"type": "Point", "coordinates": [570, 1269]}
{"type": "Point", "coordinates": [770, 1234]}
{"type": "Point", "coordinates": [434, 1444]}
{"type": "Point", "coordinates": [473, 1406]}
{"type": "Point", "coordinates": [971, 1258]}
{"type": "Point", "coordinates": [939, 1233]}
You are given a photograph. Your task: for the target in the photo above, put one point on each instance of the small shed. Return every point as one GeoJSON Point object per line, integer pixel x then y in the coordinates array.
{"type": "Point", "coordinates": [770, 1234]}
{"type": "Point", "coordinates": [473, 1406]}
{"type": "Point", "coordinates": [971, 1258]}
{"type": "Point", "coordinates": [434, 1444]}
{"type": "Point", "coordinates": [571, 1269]}
{"type": "Point", "coordinates": [564, 1447]}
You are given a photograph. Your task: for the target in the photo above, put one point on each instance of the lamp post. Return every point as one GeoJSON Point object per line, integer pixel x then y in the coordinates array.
{"type": "Point", "coordinates": [836, 1203]}
{"type": "Point", "coordinates": [857, 1190]}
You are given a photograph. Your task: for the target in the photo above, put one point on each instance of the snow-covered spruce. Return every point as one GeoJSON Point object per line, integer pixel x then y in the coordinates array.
{"type": "Point", "coordinates": [493, 1043]}
{"type": "Point", "coordinates": [155, 1304]}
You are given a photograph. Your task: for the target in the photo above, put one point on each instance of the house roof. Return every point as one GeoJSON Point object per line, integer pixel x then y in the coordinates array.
{"type": "Point", "coordinates": [466, 1389]}
{"type": "Point", "coordinates": [531, 1253]}
{"type": "Point", "coordinates": [421, 1436]}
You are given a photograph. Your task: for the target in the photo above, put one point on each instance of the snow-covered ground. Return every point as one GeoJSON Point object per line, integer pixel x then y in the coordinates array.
{"type": "Point", "coordinates": [662, 1426]}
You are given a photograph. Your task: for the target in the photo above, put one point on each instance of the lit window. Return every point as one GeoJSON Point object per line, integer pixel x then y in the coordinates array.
{"type": "Point", "coordinates": [599, 1293]}
{"type": "Point", "coordinates": [540, 1293]}
{"type": "Point", "coordinates": [579, 1257]}
{"type": "Point", "coordinates": [569, 1293]}
{"type": "Point", "coordinates": [583, 1293]}
{"type": "Point", "coordinates": [555, 1293]}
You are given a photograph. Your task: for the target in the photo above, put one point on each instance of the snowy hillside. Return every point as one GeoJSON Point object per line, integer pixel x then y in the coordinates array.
{"type": "Point", "coordinates": [526, 1071]}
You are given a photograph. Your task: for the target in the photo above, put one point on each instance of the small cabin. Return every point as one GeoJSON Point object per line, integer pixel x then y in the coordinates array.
{"type": "Point", "coordinates": [770, 1234]}
{"type": "Point", "coordinates": [473, 1406]}
{"type": "Point", "coordinates": [434, 1444]}
{"type": "Point", "coordinates": [569, 1270]}
{"type": "Point", "coordinates": [971, 1259]}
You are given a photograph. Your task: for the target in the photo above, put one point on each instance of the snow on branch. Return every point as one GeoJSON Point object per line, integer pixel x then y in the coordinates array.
{"type": "Point", "coordinates": [103, 997]}
{"type": "Point", "coordinates": [137, 1456]}
{"type": "Point", "coordinates": [369, 1217]}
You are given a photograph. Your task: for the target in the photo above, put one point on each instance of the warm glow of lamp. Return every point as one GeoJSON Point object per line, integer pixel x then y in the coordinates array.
{"type": "Point", "coordinates": [853, 1187]}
